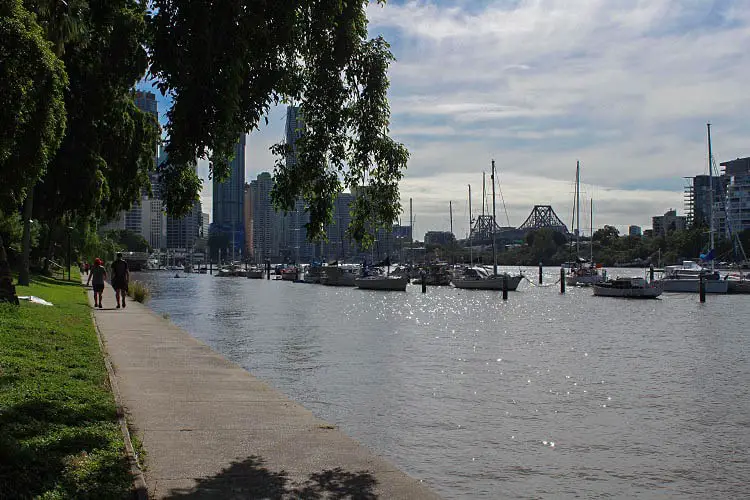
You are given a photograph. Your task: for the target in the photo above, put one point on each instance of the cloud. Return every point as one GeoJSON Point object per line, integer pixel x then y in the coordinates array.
{"type": "Point", "coordinates": [626, 87]}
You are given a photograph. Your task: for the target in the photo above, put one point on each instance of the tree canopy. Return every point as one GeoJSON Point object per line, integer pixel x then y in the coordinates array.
{"type": "Point", "coordinates": [32, 110]}
{"type": "Point", "coordinates": [224, 66]}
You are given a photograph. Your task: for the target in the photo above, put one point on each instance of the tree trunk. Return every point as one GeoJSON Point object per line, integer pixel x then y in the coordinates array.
{"type": "Point", "coordinates": [7, 290]}
{"type": "Point", "coordinates": [28, 207]}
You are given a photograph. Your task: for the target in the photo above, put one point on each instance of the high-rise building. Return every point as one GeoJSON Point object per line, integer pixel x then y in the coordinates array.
{"type": "Point", "coordinates": [228, 201]}
{"type": "Point", "coordinates": [182, 233]}
{"type": "Point", "coordinates": [667, 223]}
{"type": "Point", "coordinates": [736, 214]}
{"type": "Point", "coordinates": [635, 231]}
{"type": "Point", "coordinates": [205, 225]}
{"type": "Point", "coordinates": [263, 219]}
{"type": "Point", "coordinates": [248, 218]}
{"type": "Point", "coordinates": [294, 129]}
{"type": "Point", "coordinates": [698, 198]}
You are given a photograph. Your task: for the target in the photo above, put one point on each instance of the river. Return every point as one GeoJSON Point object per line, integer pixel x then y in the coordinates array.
{"type": "Point", "coordinates": [545, 395]}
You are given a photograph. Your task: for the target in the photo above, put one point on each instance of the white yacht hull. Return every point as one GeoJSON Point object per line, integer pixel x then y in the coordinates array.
{"type": "Point", "coordinates": [692, 285]}
{"type": "Point", "coordinates": [491, 283]}
{"type": "Point", "coordinates": [383, 283]}
{"type": "Point", "coordinates": [630, 293]}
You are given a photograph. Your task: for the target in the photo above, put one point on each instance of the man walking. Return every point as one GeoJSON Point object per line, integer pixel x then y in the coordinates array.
{"type": "Point", "coordinates": [120, 278]}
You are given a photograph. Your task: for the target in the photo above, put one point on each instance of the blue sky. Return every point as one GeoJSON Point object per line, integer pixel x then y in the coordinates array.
{"type": "Point", "coordinates": [624, 86]}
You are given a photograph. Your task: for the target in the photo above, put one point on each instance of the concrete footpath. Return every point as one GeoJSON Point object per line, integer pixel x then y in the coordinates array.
{"type": "Point", "coordinates": [212, 430]}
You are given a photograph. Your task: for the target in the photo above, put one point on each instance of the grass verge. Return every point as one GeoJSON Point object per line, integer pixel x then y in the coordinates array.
{"type": "Point", "coordinates": [59, 434]}
{"type": "Point", "coordinates": [138, 292]}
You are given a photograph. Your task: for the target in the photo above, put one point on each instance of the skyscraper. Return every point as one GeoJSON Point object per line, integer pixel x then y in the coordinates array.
{"type": "Point", "coordinates": [228, 201]}
{"type": "Point", "coordinates": [265, 237]}
{"type": "Point", "coordinates": [294, 130]}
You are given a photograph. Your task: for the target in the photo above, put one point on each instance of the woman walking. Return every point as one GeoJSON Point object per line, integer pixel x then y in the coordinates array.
{"type": "Point", "coordinates": [99, 274]}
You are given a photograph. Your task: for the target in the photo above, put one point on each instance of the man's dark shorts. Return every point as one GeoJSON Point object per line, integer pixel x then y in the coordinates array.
{"type": "Point", "coordinates": [98, 288]}
{"type": "Point", "coordinates": [120, 284]}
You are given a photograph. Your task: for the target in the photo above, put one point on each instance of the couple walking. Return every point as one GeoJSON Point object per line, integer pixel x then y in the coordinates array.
{"type": "Point", "coordinates": [120, 278]}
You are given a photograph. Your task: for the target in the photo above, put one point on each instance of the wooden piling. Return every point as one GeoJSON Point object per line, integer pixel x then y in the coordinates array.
{"type": "Point", "coordinates": [505, 287]}
{"type": "Point", "coordinates": [702, 288]}
{"type": "Point", "coordinates": [562, 280]}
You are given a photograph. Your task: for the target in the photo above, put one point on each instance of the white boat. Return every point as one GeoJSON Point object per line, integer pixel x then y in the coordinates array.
{"type": "Point", "coordinates": [255, 273]}
{"type": "Point", "coordinates": [583, 275]}
{"type": "Point", "coordinates": [634, 288]}
{"type": "Point", "coordinates": [478, 278]}
{"type": "Point", "coordinates": [738, 283]}
{"type": "Point", "coordinates": [313, 273]}
{"type": "Point", "coordinates": [390, 283]}
{"type": "Point", "coordinates": [686, 278]}
{"type": "Point", "coordinates": [344, 275]}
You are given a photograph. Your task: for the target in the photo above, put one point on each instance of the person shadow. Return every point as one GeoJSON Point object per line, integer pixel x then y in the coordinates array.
{"type": "Point", "coordinates": [250, 478]}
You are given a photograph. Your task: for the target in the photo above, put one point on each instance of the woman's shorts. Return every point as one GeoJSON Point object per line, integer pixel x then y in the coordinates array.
{"type": "Point", "coordinates": [98, 288]}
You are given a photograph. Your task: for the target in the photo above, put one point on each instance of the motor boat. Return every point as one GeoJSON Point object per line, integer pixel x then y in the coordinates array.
{"type": "Point", "coordinates": [635, 288]}
{"type": "Point", "coordinates": [343, 275]}
{"type": "Point", "coordinates": [478, 278]}
{"type": "Point", "coordinates": [686, 278]}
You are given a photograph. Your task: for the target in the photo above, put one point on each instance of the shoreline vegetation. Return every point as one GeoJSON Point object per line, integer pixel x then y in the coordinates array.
{"type": "Point", "coordinates": [59, 431]}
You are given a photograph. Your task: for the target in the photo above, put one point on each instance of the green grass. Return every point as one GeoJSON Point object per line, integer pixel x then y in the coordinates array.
{"type": "Point", "coordinates": [59, 434]}
{"type": "Point", "coordinates": [139, 292]}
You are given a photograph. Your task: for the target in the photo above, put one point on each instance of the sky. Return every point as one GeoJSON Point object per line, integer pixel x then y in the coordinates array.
{"type": "Point", "coordinates": [626, 87]}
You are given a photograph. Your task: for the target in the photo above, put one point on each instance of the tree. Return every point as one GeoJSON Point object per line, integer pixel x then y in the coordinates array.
{"type": "Point", "coordinates": [130, 240]}
{"type": "Point", "coordinates": [32, 113]}
{"type": "Point", "coordinates": [606, 235]}
{"type": "Point", "coordinates": [225, 66]}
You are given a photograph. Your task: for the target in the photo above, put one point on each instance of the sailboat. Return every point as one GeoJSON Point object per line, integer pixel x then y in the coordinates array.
{"type": "Point", "coordinates": [581, 272]}
{"type": "Point", "coordinates": [477, 278]}
{"type": "Point", "coordinates": [688, 276]}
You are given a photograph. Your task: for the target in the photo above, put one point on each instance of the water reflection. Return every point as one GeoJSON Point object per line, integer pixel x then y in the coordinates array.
{"type": "Point", "coordinates": [463, 390]}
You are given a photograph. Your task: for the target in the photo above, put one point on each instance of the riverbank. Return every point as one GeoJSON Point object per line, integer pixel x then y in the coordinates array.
{"type": "Point", "coordinates": [211, 429]}
{"type": "Point", "coordinates": [59, 432]}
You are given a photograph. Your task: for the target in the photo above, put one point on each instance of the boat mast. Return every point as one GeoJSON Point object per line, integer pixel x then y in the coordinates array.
{"type": "Point", "coordinates": [711, 195]}
{"type": "Point", "coordinates": [450, 209]}
{"type": "Point", "coordinates": [591, 240]}
{"type": "Point", "coordinates": [578, 207]}
{"type": "Point", "coordinates": [494, 247]}
{"type": "Point", "coordinates": [471, 250]}
{"type": "Point", "coordinates": [484, 193]}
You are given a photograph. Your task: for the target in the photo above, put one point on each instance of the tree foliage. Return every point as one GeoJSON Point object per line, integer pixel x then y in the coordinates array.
{"type": "Point", "coordinates": [109, 146]}
{"type": "Point", "coordinates": [225, 65]}
{"type": "Point", "coordinates": [32, 110]}
{"type": "Point", "coordinates": [129, 240]}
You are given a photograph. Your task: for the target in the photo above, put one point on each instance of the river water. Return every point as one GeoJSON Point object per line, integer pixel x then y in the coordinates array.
{"type": "Point", "coordinates": [545, 395]}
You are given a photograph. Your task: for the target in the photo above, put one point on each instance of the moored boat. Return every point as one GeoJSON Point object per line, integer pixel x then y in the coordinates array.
{"type": "Point", "coordinates": [344, 275]}
{"type": "Point", "coordinates": [290, 273]}
{"type": "Point", "coordinates": [386, 283]}
{"type": "Point", "coordinates": [255, 273]}
{"type": "Point", "coordinates": [478, 278]}
{"type": "Point", "coordinates": [686, 278]}
{"type": "Point", "coordinates": [737, 283]}
{"type": "Point", "coordinates": [634, 288]}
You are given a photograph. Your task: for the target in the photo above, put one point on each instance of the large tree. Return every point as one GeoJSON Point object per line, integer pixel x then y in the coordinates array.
{"type": "Point", "coordinates": [32, 113]}
{"type": "Point", "coordinates": [225, 64]}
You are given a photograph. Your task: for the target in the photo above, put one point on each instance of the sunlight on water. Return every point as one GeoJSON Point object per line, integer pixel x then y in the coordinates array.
{"type": "Point", "coordinates": [545, 395]}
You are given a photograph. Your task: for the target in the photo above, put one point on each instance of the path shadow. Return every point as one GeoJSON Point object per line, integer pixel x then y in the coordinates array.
{"type": "Point", "coordinates": [250, 479]}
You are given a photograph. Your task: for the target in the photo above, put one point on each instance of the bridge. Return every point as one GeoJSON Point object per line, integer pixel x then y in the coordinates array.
{"type": "Point", "coordinates": [543, 216]}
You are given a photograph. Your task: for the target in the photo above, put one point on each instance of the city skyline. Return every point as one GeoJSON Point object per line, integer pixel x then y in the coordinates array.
{"type": "Point", "coordinates": [626, 89]}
